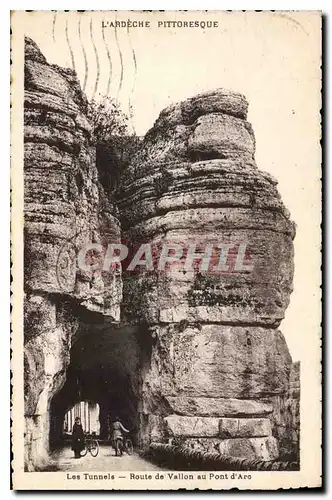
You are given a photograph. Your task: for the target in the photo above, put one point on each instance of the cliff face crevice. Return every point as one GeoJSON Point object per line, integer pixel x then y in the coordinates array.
{"type": "Point", "coordinates": [200, 357]}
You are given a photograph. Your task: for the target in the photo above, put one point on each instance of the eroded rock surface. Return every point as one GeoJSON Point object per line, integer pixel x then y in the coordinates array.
{"type": "Point", "coordinates": [214, 370]}
{"type": "Point", "coordinates": [216, 349]}
{"type": "Point", "coordinates": [286, 416]}
{"type": "Point", "coordinates": [64, 207]}
{"type": "Point", "coordinates": [65, 204]}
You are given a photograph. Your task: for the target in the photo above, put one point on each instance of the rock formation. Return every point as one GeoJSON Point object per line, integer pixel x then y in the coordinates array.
{"type": "Point", "coordinates": [216, 356]}
{"type": "Point", "coordinates": [286, 416]}
{"type": "Point", "coordinates": [210, 369]}
{"type": "Point", "coordinates": [64, 206]}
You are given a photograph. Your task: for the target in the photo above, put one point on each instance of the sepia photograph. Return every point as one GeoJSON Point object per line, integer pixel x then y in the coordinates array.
{"type": "Point", "coordinates": [166, 249]}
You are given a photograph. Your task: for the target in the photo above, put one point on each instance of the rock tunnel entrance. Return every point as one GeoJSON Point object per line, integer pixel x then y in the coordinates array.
{"type": "Point", "coordinates": [104, 372]}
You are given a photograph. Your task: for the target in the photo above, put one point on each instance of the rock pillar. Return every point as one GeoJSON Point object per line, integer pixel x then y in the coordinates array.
{"type": "Point", "coordinates": [217, 359]}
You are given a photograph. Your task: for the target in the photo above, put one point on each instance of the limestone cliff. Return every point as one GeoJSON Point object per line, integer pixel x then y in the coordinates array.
{"type": "Point", "coordinates": [195, 358]}
{"type": "Point", "coordinates": [64, 206]}
{"type": "Point", "coordinates": [216, 356]}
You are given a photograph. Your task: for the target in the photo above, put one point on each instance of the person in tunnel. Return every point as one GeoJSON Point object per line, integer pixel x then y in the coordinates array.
{"type": "Point", "coordinates": [77, 438]}
{"type": "Point", "coordinates": [117, 436]}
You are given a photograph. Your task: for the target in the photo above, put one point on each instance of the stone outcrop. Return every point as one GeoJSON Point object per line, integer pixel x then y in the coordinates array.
{"type": "Point", "coordinates": [216, 349]}
{"type": "Point", "coordinates": [286, 416]}
{"type": "Point", "coordinates": [201, 354]}
{"type": "Point", "coordinates": [64, 206]}
{"type": "Point", "coordinates": [227, 407]}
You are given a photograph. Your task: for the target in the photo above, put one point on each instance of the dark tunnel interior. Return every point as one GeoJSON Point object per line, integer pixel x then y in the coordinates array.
{"type": "Point", "coordinates": [103, 369]}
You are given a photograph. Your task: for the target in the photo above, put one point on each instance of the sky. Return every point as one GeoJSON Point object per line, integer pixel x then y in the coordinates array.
{"type": "Point", "coordinates": [271, 58]}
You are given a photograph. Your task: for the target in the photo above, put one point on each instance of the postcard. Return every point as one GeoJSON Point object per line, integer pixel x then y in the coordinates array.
{"type": "Point", "coordinates": [166, 250]}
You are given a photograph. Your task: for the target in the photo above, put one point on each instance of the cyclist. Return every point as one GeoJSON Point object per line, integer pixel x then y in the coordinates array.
{"type": "Point", "coordinates": [77, 438]}
{"type": "Point", "coordinates": [117, 436]}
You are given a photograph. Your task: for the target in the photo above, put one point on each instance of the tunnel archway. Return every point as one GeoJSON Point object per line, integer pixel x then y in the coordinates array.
{"type": "Point", "coordinates": [104, 369]}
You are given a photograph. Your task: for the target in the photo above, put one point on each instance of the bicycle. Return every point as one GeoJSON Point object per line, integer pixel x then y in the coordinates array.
{"type": "Point", "coordinates": [121, 445]}
{"type": "Point", "coordinates": [91, 446]}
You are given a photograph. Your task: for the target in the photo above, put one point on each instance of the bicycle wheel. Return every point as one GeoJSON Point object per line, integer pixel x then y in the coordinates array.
{"type": "Point", "coordinates": [84, 451]}
{"type": "Point", "coordinates": [129, 446]}
{"type": "Point", "coordinates": [94, 448]}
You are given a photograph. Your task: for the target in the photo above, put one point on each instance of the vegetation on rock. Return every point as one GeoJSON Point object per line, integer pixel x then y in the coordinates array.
{"type": "Point", "coordinates": [115, 144]}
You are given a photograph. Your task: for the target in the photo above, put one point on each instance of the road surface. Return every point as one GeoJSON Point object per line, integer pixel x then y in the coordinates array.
{"type": "Point", "coordinates": [105, 461]}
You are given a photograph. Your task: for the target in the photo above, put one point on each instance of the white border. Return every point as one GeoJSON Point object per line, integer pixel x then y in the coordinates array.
{"type": "Point", "coordinates": [326, 8]}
